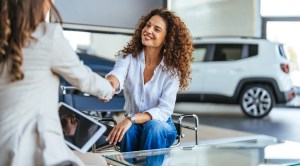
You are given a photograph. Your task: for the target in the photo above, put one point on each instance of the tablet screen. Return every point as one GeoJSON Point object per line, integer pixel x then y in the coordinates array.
{"type": "Point", "coordinates": [78, 129]}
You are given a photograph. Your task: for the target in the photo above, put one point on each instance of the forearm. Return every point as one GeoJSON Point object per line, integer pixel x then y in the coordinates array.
{"type": "Point", "coordinates": [114, 81]}
{"type": "Point", "coordinates": [141, 118]}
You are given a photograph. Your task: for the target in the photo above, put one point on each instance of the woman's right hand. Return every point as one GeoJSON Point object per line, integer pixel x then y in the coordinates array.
{"type": "Point", "coordinates": [118, 131]}
{"type": "Point", "coordinates": [113, 93]}
{"type": "Point", "coordinates": [114, 83]}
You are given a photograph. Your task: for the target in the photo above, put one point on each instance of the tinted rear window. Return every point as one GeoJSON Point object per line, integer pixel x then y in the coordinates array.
{"type": "Point", "coordinates": [253, 50]}
{"type": "Point", "coordinates": [228, 52]}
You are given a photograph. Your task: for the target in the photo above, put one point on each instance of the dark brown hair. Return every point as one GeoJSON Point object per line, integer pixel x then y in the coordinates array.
{"type": "Point", "coordinates": [177, 50]}
{"type": "Point", "coordinates": [19, 19]}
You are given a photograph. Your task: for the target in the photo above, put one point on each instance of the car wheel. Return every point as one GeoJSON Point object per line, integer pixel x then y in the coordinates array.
{"type": "Point", "coordinates": [257, 101]}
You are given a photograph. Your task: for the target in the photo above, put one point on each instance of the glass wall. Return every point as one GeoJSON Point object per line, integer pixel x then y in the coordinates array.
{"type": "Point", "coordinates": [281, 22]}
{"type": "Point", "coordinates": [98, 44]}
{"type": "Point", "coordinates": [280, 8]}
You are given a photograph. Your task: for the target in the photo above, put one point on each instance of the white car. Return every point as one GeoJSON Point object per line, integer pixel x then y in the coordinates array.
{"type": "Point", "coordinates": [247, 71]}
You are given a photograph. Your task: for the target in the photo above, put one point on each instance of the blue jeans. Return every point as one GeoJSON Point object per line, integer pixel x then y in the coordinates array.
{"type": "Point", "coordinates": [153, 134]}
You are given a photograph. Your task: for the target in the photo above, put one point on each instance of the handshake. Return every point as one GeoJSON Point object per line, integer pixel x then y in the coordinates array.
{"type": "Point", "coordinates": [114, 85]}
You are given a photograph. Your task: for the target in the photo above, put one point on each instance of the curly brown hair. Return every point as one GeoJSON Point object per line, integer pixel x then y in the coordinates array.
{"type": "Point", "coordinates": [177, 50]}
{"type": "Point", "coordinates": [18, 20]}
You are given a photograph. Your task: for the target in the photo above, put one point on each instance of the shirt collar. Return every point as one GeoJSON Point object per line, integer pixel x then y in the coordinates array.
{"type": "Point", "coordinates": [142, 58]}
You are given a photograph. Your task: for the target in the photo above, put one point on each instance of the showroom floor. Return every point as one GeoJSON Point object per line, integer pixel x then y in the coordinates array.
{"type": "Point", "coordinates": [281, 122]}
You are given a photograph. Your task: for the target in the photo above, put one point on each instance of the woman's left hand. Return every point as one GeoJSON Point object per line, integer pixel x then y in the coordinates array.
{"type": "Point", "coordinates": [118, 131]}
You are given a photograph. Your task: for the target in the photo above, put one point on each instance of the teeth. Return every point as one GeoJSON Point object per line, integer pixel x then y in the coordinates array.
{"type": "Point", "coordinates": [147, 37]}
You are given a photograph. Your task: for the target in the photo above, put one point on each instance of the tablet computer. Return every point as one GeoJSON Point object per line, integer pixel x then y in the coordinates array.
{"type": "Point", "coordinates": [80, 130]}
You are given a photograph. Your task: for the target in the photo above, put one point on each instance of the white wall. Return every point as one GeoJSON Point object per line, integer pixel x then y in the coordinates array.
{"type": "Point", "coordinates": [113, 16]}
{"type": "Point", "coordinates": [219, 17]}
{"type": "Point", "coordinates": [111, 13]}
{"type": "Point", "coordinates": [107, 45]}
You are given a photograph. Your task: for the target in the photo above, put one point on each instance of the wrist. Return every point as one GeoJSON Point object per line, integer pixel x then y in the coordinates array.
{"type": "Point", "coordinates": [131, 118]}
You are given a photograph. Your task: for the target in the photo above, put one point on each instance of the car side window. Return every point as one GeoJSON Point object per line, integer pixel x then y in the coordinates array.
{"type": "Point", "coordinates": [227, 52]}
{"type": "Point", "coordinates": [253, 50]}
{"type": "Point", "coordinates": [199, 53]}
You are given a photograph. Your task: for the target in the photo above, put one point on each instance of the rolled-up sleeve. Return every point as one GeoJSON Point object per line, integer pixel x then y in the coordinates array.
{"type": "Point", "coordinates": [120, 70]}
{"type": "Point", "coordinates": [166, 104]}
{"type": "Point", "coordinates": [66, 63]}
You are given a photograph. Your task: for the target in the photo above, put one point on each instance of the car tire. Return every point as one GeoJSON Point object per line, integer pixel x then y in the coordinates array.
{"type": "Point", "coordinates": [257, 100]}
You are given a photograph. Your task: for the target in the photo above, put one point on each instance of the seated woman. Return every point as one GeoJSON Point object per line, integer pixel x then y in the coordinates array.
{"type": "Point", "coordinates": [152, 68]}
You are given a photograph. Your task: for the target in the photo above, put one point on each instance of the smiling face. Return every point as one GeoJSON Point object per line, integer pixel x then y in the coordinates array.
{"type": "Point", "coordinates": [154, 33]}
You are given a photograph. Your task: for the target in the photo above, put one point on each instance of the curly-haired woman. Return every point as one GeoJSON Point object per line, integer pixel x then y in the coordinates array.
{"type": "Point", "coordinates": [151, 68]}
{"type": "Point", "coordinates": [32, 55]}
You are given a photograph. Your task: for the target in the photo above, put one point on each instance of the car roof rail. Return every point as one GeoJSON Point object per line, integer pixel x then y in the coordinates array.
{"type": "Point", "coordinates": [224, 36]}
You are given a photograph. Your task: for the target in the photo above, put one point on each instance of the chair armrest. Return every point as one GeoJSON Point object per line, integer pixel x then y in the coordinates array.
{"type": "Point", "coordinates": [69, 89]}
{"type": "Point", "coordinates": [179, 126]}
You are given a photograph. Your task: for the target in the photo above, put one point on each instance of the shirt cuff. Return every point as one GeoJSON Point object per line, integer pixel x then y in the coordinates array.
{"type": "Point", "coordinates": [157, 114]}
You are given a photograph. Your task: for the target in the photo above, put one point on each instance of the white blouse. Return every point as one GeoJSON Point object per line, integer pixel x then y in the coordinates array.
{"type": "Point", "coordinates": [157, 96]}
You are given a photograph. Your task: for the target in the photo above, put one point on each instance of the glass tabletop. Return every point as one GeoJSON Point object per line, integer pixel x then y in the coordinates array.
{"type": "Point", "coordinates": [247, 151]}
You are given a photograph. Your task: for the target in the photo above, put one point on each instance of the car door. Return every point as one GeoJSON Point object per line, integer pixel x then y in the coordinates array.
{"type": "Point", "coordinates": [223, 69]}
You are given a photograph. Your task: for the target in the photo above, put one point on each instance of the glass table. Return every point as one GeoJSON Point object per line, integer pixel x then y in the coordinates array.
{"type": "Point", "coordinates": [244, 151]}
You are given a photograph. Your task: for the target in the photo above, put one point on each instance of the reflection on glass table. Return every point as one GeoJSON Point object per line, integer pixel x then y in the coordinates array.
{"type": "Point", "coordinates": [246, 151]}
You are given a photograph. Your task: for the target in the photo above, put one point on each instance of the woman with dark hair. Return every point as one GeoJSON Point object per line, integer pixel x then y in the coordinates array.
{"type": "Point", "coordinates": [32, 55]}
{"type": "Point", "coordinates": [152, 68]}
